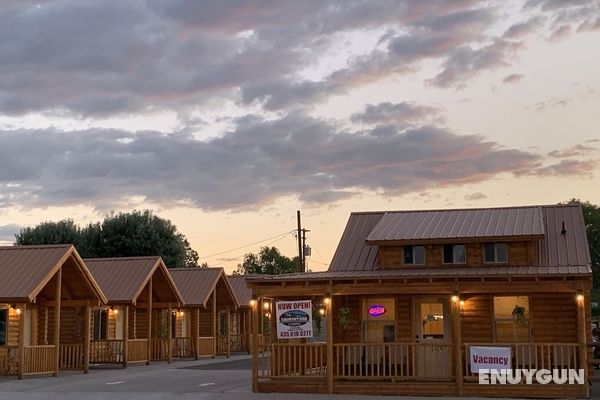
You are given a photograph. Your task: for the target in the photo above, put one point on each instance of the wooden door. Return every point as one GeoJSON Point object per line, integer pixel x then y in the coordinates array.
{"type": "Point", "coordinates": [432, 328]}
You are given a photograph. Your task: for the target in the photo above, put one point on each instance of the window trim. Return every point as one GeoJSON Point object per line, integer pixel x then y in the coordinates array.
{"type": "Point", "coordinates": [412, 246]}
{"type": "Point", "coordinates": [495, 253]}
{"type": "Point", "coordinates": [453, 254]}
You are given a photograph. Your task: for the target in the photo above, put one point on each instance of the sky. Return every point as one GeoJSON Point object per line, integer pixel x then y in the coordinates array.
{"type": "Point", "coordinates": [228, 116]}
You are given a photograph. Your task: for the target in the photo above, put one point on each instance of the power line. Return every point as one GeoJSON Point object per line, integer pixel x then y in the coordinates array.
{"type": "Point", "coordinates": [241, 255]}
{"type": "Point", "coordinates": [282, 235]}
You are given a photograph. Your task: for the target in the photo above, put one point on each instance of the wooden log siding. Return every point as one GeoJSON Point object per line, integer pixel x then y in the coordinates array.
{"type": "Point", "coordinates": [476, 319]}
{"type": "Point", "coordinates": [552, 318]}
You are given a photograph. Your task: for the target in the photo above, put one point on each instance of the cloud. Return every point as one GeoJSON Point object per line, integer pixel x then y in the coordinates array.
{"type": "Point", "coordinates": [573, 151]}
{"type": "Point", "coordinates": [248, 167]}
{"type": "Point", "coordinates": [513, 78]}
{"type": "Point", "coordinates": [475, 196]}
{"type": "Point", "coordinates": [403, 113]}
{"type": "Point", "coordinates": [7, 232]}
{"type": "Point", "coordinates": [569, 168]}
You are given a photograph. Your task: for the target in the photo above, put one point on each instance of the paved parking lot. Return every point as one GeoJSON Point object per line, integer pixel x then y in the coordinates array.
{"type": "Point", "coordinates": [220, 379]}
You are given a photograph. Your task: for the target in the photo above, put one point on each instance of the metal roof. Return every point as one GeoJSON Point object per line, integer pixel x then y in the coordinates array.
{"type": "Point", "coordinates": [123, 278]}
{"type": "Point", "coordinates": [558, 250]}
{"type": "Point", "coordinates": [242, 293]}
{"type": "Point", "coordinates": [458, 224]}
{"type": "Point", "coordinates": [25, 270]}
{"type": "Point", "coordinates": [197, 284]}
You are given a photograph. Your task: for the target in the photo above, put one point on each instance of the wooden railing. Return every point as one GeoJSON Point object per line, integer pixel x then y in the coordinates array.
{"type": "Point", "coordinates": [222, 344]}
{"type": "Point", "coordinates": [182, 347]}
{"type": "Point", "coordinates": [39, 359]}
{"type": "Point", "coordinates": [9, 360]}
{"type": "Point", "coordinates": [137, 350]}
{"type": "Point", "coordinates": [205, 346]}
{"type": "Point", "coordinates": [531, 356]}
{"type": "Point", "coordinates": [71, 356]}
{"type": "Point", "coordinates": [239, 342]}
{"type": "Point", "coordinates": [292, 360]}
{"type": "Point", "coordinates": [106, 351]}
{"type": "Point", "coordinates": [160, 349]}
{"type": "Point", "coordinates": [394, 361]}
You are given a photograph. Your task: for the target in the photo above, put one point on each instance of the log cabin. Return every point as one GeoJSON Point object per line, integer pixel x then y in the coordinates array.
{"type": "Point", "coordinates": [46, 297]}
{"type": "Point", "coordinates": [242, 316]}
{"type": "Point", "coordinates": [204, 325]}
{"type": "Point", "coordinates": [134, 325]}
{"type": "Point", "coordinates": [412, 298]}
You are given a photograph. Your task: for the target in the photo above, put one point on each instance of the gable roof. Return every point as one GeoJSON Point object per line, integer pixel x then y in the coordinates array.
{"type": "Point", "coordinates": [558, 250]}
{"type": "Point", "coordinates": [463, 224]}
{"type": "Point", "coordinates": [242, 292]}
{"type": "Point", "coordinates": [197, 284]}
{"type": "Point", "coordinates": [25, 270]}
{"type": "Point", "coordinates": [122, 279]}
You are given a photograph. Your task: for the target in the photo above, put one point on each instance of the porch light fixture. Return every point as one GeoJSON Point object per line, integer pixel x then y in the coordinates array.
{"type": "Point", "coordinates": [580, 296]}
{"type": "Point", "coordinates": [461, 304]}
{"type": "Point", "coordinates": [321, 311]}
{"type": "Point", "coordinates": [266, 305]}
{"type": "Point", "coordinates": [180, 313]}
{"type": "Point", "coordinates": [455, 297]}
{"type": "Point", "coordinates": [327, 301]}
{"type": "Point", "coordinates": [253, 302]}
{"type": "Point", "coordinates": [17, 310]}
{"type": "Point", "coordinates": [115, 311]}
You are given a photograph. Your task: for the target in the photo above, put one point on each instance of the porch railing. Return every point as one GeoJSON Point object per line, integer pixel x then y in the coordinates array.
{"type": "Point", "coordinates": [39, 359]}
{"type": "Point", "coordinates": [222, 344]}
{"type": "Point", "coordinates": [280, 360]}
{"type": "Point", "coordinates": [531, 356]}
{"type": "Point", "coordinates": [108, 351]}
{"type": "Point", "coordinates": [159, 348]}
{"type": "Point", "coordinates": [137, 350]}
{"type": "Point", "coordinates": [205, 346]}
{"type": "Point", "coordinates": [182, 347]}
{"type": "Point", "coordinates": [71, 356]}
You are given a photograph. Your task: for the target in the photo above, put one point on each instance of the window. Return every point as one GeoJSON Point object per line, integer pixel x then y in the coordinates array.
{"type": "Point", "coordinates": [414, 255]}
{"type": "Point", "coordinates": [495, 253]}
{"type": "Point", "coordinates": [223, 323]}
{"type": "Point", "coordinates": [3, 325]}
{"type": "Point", "coordinates": [100, 324]}
{"type": "Point", "coordinates": [511, 319]}
{"type": "Point", "coordinates": [454, 254]}
{"type": "Point", "coordinates": [379, 321]}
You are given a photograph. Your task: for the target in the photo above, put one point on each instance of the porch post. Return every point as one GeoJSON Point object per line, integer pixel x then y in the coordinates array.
{"type": "Point", "coordinates": [57, 299]}
{"type": "Point", "coordinates": [214, 324]}
{"type": "Point", "coordinates": [329, 314]}
{"type": "Point", "coordinates": [149, 311]}
{"type": "Point", "coordinates": [228, 332]}
{"type": "Point", "coordinates": [125, 335]}
{"type": "Point", "coordinates": [170, 334]}
{"type": "Point", "coordinates": [457, 341]}
{"type": "Point", "coordinates": [582, 336]}
{"type": "Point", "coordinates": [86, 339]}
{"type": "Point", "coordinates": [197, 336]}
{"type": "Point", "coordinates": [22, 307]}
{"type": "Point", "coordinates": [255, 349]}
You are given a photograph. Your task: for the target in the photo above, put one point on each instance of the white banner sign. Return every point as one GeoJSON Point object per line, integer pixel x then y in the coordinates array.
{"type": "Point", "coordinates": [294, 319]}
{"type": "Point", "coordinates": [490, 358]}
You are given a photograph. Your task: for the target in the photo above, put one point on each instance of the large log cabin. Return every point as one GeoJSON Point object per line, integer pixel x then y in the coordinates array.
{"type": "Point", "coordinates": [46, 297]}
{"type": "Point", "coordinates": [410, 295]}
{"type": "Point", "coordinates": [208, 312]}
{"type": "Point", "coordinates": [134, 326]}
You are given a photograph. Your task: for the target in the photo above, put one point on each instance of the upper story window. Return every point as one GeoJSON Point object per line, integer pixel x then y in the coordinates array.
{"type": "Point", "coordinates": [454, 254]}
{"type": "Point", "coordinates": [414, 255]}
{"type": "Point", "coordinates": [495, 253]}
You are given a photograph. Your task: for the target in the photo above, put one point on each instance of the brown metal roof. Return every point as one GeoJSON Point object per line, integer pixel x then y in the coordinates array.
{"type": "Point", "coordinates": [197, 284]}
{"type": "Point", "coordinates": [458, 224]}
{"type": "Point", "coordinates": [558, 250]}
{"type": "Point", "coordinates": [123, 278]}
{"type": "Point", "coordinates": [25, 270]}
{"type": "Point", "coordinates": [242, 293]}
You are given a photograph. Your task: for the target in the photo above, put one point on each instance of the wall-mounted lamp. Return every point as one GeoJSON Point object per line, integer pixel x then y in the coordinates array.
{"type": "Point", "coordinates": [579, 296]}
{"type": "Point", "coordinates": [461, 304]}
{"type": "Point", "coordinates": [266, 306]}
{"type": "Point", "coordinates": [180, 313]}
{"type": "Point", "coordinates": [455, 297]}
{"type": "Point", "coordinates": [327, 301]}
{"type": "Point", "coordinates": [253, 302]}
{"type": "Point", "coordinates": [321, 311]}
{"type": "Point", "coordinates": [17, 310]}
{"type": "Point", "coordinates": [115, 311]}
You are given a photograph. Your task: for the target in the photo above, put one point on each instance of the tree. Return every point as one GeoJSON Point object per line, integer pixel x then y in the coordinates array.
{"type": "Point", "coordinates": [136, 233]}
{"type": "Point", "coordinates": [268, 261]}
{"type": "Point", "coordinates": [591, 217]}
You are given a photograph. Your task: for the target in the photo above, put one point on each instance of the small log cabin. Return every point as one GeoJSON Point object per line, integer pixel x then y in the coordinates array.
{"type": "Point", "coordinates": [206, 314]}
{"type": "Point", "coordinates": [242, 316]}
{"type": "Point", "coordinates": [409, 297]}
{"type": "Point", "coordinates": [46, 297]}
{"type": "Point", "coordinates": [134, 326]}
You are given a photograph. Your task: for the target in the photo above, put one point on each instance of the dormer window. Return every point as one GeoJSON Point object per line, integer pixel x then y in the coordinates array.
{"type": "Point", "coordinates": [454, 254]}
{"type": "Point", "coordinates": [495, 253]}
{"type": "Point", "coordinates": [414, 255]}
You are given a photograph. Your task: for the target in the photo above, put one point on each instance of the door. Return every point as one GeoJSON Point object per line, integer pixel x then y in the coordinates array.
{"type": "Point", "coordinates": [432, 336]}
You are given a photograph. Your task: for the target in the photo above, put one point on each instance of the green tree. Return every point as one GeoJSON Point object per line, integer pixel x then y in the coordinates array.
{"type": "Point", "coordinates": [136, 233]}
{"type": "Point", "coordinates": [268, 261]}
{"type": "Point", "coordinates": [591, 217]}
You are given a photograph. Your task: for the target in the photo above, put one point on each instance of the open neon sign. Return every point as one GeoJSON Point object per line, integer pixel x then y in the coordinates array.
{"type": "Point", "coordinates": [377, 310]}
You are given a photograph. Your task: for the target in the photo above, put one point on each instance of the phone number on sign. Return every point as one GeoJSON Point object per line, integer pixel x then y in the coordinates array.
{"type": "Point", "coordinates": [295, 334]}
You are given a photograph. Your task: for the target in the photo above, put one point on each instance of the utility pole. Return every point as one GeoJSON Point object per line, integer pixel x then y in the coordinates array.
{"type": "Point", "coordinates": [300, 249]}
{"type": "Point", "coordinates": [304, 249]}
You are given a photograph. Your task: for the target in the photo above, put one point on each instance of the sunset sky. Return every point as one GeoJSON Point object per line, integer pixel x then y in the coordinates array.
{"type": "Point", "coordinates": [228, 116]}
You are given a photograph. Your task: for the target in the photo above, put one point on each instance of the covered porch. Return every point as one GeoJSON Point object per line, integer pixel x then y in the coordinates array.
{"type": "Point", "coordinates": [134, 326]}
{"type": "Point", "coordinates": [390, 332]}
{"type": "Point", "coordinates": [46, 298]}
{"type": "Point", "coordinates": [241, 336]}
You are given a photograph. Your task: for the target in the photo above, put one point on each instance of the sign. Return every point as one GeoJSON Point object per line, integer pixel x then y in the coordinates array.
{"type": "Point", "coordinates": [489, 358]}
{"type": "Point", "coordinates": [294, 319]}
{"type": "Point", "coordinates": [377, 310]}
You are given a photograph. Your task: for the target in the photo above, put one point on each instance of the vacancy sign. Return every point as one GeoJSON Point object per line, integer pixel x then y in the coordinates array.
{"type": "Point", "coordinates": [489, 358]}
{"type": "Point", "coordinates": [294, 319]}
